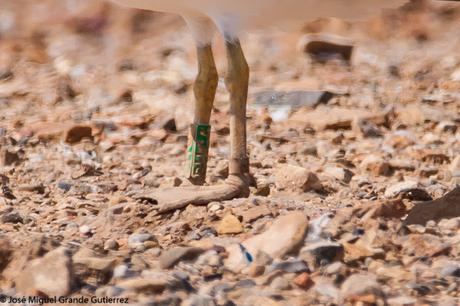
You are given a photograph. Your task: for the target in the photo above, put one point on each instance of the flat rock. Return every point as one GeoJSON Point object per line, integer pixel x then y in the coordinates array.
{"type": "Point", "coordinates": [407, 189]}
{"type": "Point", "coordinates": [445, 207]}
{"type": "Point", "coordinates": [88, 259]}
{"type": "Point", "coordinates": [171, 257]}
{"type": "Point", "coordinates": [293, 98]}
{"type": "Point", "coordinates": [144, 285]}
{"type": "Point", "coordinates": [51, 275]}
{"type": "Point", "coordinates": [255, 213]}
{"type": "Point", "coordinates": [290, 266]}
{"type": "Point", "coordinates": [282, 237]}
{"type": "Point", "coordinates": [331, 118]}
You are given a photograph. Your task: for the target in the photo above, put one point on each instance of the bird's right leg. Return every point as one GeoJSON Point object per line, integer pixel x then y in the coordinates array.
{"type": "Point", "coordinates": [205, 90]}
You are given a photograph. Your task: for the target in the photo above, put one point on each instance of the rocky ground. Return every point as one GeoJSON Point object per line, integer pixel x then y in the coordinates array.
{"type": "Point", "coordinates": [95, 105]}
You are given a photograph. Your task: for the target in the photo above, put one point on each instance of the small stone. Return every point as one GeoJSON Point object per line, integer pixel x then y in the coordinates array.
{"type": "Point", "coordinates": [297, 179]}
{"type": "Point", "coordinates": [325, 288]}
{"type": "Point", "coordinates": [91, 261]}
{"type": "Point", "coordinates": [76, 133]}
{"type": "Point", "coordinates": [171, 257]}
{"type": "Point", "coordinates": [342, 174]}
{"type": "Point", "coordinates": [451, 269]}
{"type": "Point", "coordinates": [255, 213]}
{"type": "Point", "coordinates": [137, 240]}
{"type": "Point", "coordinates": [255, 270]}
{"type": "Point", "coordinates": [304, 281]}
{"type": "Point", "coordinates": [402, 301]}
{"type": "Point", "coordinates": [361, 285]}
{"type": "Point", "coordinates": [293, 98]}
{"type": "Point", "coordinates": [245, 283]}
{"type": "Point", "coordinates": [322, 48]}
{"type": "Point", "coordinates": [262, 190]}
{"type": "Point", "coordinates": [376, 165]}
{"type": "Point", "coordinates": [335, 268]}
{"type": "Point", "coordinates": [64, 186]}
{"type": "Point", "coordinates": [396, 189]}
{"type": "Point", "coordinates": [322, 253]}
{"type": "Point", "coordinates": [290, 266]}
{"type": "Point", "coordinates": [9, 158]}
{"type": "Point", "coordinates": [111, 245]}
{"type": "Point", "coordinates": [12, 217]}
{"type": "Point", "coordinates": [85, 230]}
{"type": "Point", "coordinates": [280, 283]}
{"type": "Point", "coordinates": [229, 225]}
{"type": "Point", "coordinates": [6, 75]}
{"type": "Point", "coordinates": [449, 225]}
{"type": "Point", "coordinates": [120, 271]}
{"type": "Point", "coordinates": [214, 207]}
{"type": "Point", "coordinates": [447, 126]}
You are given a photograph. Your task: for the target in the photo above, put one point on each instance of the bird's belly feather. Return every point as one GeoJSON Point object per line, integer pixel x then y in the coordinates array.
{"type": "Point", "coordinates": [259, 13]}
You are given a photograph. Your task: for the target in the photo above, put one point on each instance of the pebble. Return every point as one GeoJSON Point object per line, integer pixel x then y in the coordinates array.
{"type": "Point", "coordinates": [137, 241]}
{"type": "Point", "coordinates": [12, 217]}
{"type": "Point", "coordinates": [360, 285]}
{"type": "Point", "coordinates": [451, 269]}
{"type": "Point", "coordinates": [322, 253]}
{"type": "Point", "coordinates": [341, 174]}
{"type": "Point", "coordinates": [297, 179]}
{"type": "Point", "coordinates": [303, 280]}
{"type": "Point", "coordinates": [229, 225]}
{"type": "Point", "coordinates": [280, 283]}
{"type": "Point", "coordinates": [111, 245]}
{"type": "Point", "coordinates": [85, 230]}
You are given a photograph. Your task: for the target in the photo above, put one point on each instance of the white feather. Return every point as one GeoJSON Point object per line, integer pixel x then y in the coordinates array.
{"type": "Point", "coordinates": [233, 16]}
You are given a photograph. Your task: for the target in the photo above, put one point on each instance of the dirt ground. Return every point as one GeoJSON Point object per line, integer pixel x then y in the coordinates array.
{"type": "Point", "coordinates": [95, 107]}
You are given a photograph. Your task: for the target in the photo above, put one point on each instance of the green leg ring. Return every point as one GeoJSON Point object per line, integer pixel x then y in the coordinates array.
{"type": "Point", "coordinates": [197, 153]}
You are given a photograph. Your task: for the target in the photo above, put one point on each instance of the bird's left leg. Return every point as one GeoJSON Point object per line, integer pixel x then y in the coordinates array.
{"type": "Point", "coordinates": [205, 90]}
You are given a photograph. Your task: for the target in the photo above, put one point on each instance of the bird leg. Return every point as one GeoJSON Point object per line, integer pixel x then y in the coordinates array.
{"type": "Point", "coordinates": [205, 90]}
{"type": "Point", "coordinates": [236, 185]}
{"type": "Point", "coordinates": [237, 82]}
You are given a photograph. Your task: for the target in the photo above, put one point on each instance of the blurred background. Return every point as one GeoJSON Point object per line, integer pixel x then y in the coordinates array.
{"type": "Point", "coordinates": [94, 53]}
